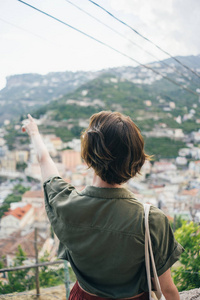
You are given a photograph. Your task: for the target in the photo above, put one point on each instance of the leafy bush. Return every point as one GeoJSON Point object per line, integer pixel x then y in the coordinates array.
{"type": "Point", "coordinates": [22, 280]}
{"type": "Point", "coordinates": [187, 276]}
{"type": "Point", "coordinates": [16, 196]}
{"type": "Point", "coordinates": [162, 147]}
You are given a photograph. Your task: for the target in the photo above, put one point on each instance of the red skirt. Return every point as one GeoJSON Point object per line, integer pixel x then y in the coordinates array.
{"type": "Point", "coordinates": [78, 294]}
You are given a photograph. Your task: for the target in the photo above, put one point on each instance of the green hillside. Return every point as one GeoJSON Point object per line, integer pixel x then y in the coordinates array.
{"type": "Point", "coordinates": [129, 98]}
{"type": "Point", "coordinates": [122, 94]}
{"type": "Point", "coordinates": [152, 106]}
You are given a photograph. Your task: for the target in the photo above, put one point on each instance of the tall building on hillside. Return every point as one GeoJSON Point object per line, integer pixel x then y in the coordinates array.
{"type": "Point", "coordinates": [8, 162]}
{"type": "Point", "coordinates": [71, 159]}
{"type": "Point", "coordinates": [21, 156]}
{"type": "Point", "coordinates": [57, 142]}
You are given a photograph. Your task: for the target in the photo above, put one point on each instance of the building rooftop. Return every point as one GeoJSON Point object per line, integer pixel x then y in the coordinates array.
{"type": "Point", "coordinates": [18, 212]}
{"type": "Point", "coordinates": [33, 194]}
{"type": "Point", "coordinates": [10, 245]}
{"type": "Point", "coordinates": [192, 192]}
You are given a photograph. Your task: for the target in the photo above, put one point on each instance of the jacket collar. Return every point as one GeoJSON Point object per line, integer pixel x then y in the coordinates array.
{"type": "Point", "coordinates": [109, 193]}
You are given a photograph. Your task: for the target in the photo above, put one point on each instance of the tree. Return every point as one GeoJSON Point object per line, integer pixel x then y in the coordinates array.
{"type": "Point", "coordinates": [21, 166]}
{"type": "Point", "coordinates": [177, 222]}
{"type": "Point", "coordinates": [20, 280]}
{"type": "Point", "coordinates": [187, 276]}
{"type": "Point", "coordinates": [48, 276]}
{"type": "Point", "coordinates": [16, 196]}
{"type": "Point", "coordinates": [5, 207]}
{"type": "Point", "coordinates": [10, 137]}
{"type": "Point", "coordinates": [20, 189]}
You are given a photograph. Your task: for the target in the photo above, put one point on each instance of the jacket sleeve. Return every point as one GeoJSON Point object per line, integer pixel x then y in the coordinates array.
{"type": "Point", "coordinates": [165, 248]}
{"type": "Point", "coordinates": [56, 194]}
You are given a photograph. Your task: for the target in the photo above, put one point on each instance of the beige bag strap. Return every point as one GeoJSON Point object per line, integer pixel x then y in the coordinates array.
{"type": "Point", "coordinates": [148, 250]}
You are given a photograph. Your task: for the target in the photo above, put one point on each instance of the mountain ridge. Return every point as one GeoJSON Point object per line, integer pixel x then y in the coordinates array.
{"type": "Point", "coordinates": [27, 92]}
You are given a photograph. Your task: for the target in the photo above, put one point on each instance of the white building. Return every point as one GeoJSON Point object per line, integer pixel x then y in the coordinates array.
{"type": "Point", "coordinates": [35, 198]}
{"type": "Point", "coordinates": [195, 136]}
{"type": "Point", "coordinates": [163, 166]}
{"type": "Point", "coordinates": [184, 152]}
{"type": "Point", "coordinates": [195, 152]}
{"type": "Point", "coordinates": [178, 133]}
{"type": "Point", "coordinates": [195, 166]}
{"type": "Point", "coordinates": [181, 161]}
{"type": "Point", "coordinates": [16, 219]}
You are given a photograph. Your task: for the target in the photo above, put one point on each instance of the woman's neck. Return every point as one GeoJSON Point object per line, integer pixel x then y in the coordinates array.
{"type": "Point", "coordinates": [98, 182]}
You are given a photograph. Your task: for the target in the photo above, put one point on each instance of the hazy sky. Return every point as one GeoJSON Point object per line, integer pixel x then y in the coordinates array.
{"type": "Point", "coordinates": [32, 42]}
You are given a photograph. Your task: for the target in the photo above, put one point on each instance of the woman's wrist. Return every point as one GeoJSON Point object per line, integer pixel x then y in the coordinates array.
{"type": "Point", "coordinates": [32, 134]}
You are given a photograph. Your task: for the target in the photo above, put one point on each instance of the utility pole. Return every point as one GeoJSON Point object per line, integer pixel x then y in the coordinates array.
{"type": "Point", "coordinates": [67, 280]}
{"type": "Point", "coordinates": [174, 223]}
{"type": "Point", "coordinates": [37, 283]}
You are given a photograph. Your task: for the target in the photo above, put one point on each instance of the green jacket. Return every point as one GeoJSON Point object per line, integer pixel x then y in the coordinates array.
{"type": "Point", "coordinates": [101, 233]}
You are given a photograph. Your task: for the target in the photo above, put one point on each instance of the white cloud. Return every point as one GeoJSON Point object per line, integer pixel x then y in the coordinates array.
{"type": "Point", "coordinates": [172, 24]}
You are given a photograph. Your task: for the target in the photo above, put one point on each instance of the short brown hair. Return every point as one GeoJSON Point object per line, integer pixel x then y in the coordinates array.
{"type": "Point", "coordinates": [113, 146]}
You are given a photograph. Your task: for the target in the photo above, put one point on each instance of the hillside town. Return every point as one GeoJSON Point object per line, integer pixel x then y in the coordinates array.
{"type": "Point", "coordinates": [173, 185]}
{"type": "Point", "coordinates": [65, 69]}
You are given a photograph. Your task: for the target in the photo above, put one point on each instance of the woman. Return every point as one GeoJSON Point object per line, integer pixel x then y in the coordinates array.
{"type": "Point", "coordinates": [101, 229]}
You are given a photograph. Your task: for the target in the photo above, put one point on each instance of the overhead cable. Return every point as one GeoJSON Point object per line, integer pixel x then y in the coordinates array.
{"type": "Point", "coordinates": [129, 40]}
{"type": "Point", "coordinates": [28, 31]}
{"type": "Point", "coordinates": [112, 48]}
{"type": "Point", "coordinates": [147, 39]}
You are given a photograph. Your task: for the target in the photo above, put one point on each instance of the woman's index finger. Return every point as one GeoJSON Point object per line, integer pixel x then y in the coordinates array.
{"type": "Point", "coordinates": [30, 118]}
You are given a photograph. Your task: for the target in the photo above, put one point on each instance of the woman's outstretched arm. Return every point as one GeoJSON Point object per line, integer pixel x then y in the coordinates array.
{"type": "Point", "coordinates": [48, 167]}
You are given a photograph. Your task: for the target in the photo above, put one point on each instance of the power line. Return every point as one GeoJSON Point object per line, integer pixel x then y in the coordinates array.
{"type": "Point", "coordinates": [28, 31]}
{"type": "Point", "coordinates": [129, 40]}
{"type": "Point", "coordinates": [112, 48]}
{"type": "Point", "coordinates": [148, 40]}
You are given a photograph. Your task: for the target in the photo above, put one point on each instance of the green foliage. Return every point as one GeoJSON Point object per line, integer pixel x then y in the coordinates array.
{"type": "Point", "coordinates": [146, 124]}
{"type": "Point", "coordinates": [72, 275]}
{"type": "Point", "coordinates": [170, 122]}
{"type": "Point", "coordinates": [189, 126]}
{"type": "Point", "coordinates": [127, 97]}
{"type": "Point", "coordinates": [177, 223]}
{"type": "Point", "coordinates": [20, 280]}
{"type": "Point", "coordinates": [187, 276]}
{"type": "Point", "coordinates": [10, 137]}
{"type": "Point", "coordinates": [12, 198]}
{"type": "Point", "coordinates": [16, 196]}
{"type": "Point", "coordinates": [2, 262]}
{"type": "Point", "coordinates": [20, 189]}
{"type": "Point", "coordinates": [64, 134]}
{"type": "Point", "coordinates": [125, 94]}
{"type": "Point", "coordinates": [3, 179]}
{"type": "Point", "coordinates": [67, 135]}
{"type": "Point", "coordinates": [31, 179]}
{"type": "Point", "coordinates": [5, 207]}
{"type": "Point", "coordinates": [162, 147]}
{"type": "Point", "coordinates": [6, 204]}
{"type": "Point", "coordinates": [76, 131]}
{"type": "Point", "coordinates": [64, 112]}
{"type": "Point", "coordinates": [21, 166]}
{"type": "Point", "coordinates": [48, 276]}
